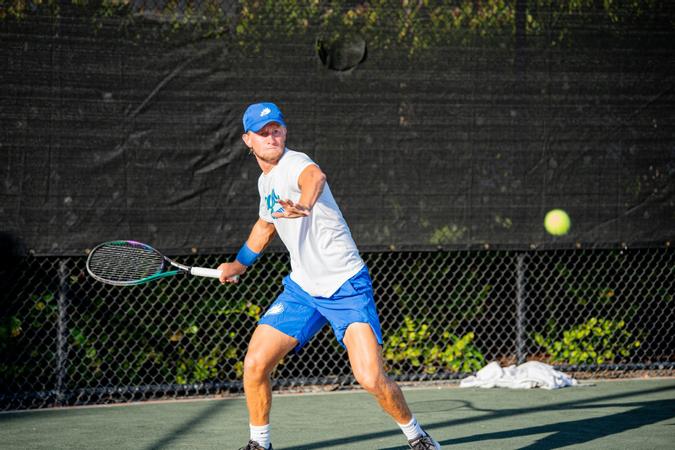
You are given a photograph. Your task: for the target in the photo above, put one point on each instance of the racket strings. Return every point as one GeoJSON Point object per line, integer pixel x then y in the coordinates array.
{"type": "Point", "coordinates": [124, 262]}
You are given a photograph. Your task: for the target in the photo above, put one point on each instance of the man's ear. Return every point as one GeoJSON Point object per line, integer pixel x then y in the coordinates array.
{"type": "Point", "coordinates": [247, 139]}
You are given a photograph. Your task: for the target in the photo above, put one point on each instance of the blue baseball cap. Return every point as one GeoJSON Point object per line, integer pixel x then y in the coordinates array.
{"type": "Point", "coordinates": [258, 115]}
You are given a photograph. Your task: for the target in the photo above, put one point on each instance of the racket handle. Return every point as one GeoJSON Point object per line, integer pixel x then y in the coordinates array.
{"type": "Point", "coordinates": [210, 273]}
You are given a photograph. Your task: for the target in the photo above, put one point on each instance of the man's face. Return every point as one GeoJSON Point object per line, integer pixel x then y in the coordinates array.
{"type": "Point", "coordinates": [268, 143]}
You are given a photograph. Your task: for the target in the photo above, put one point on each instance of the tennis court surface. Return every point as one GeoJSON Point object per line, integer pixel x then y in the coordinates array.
{"type": "Point", "coordinates": [631, 414]}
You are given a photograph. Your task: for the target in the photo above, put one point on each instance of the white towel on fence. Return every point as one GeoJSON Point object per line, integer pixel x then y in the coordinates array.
{"type": "Point", "coordinates": [529, 375]}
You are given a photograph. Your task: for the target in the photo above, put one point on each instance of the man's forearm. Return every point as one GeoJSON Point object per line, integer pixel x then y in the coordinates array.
{"type": "Point", "coordinates": [261, 236]}
{"type": "Point", "coordinates": [311, 184]}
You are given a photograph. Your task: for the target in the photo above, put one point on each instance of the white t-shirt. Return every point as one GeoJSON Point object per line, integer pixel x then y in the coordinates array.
{"type": "Point", "coordinates": [323, 253]}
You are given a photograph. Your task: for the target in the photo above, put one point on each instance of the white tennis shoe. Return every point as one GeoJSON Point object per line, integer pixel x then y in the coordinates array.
{"type": "Point", "coordinates": [424, 442]}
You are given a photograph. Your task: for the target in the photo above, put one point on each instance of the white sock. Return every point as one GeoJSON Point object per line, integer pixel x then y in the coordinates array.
{"type": "Point", "coordinates": [412, 429]}
{"type": "Point", "coordinates": [261, 434]}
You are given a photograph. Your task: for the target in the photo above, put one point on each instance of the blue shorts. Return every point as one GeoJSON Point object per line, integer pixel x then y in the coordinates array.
{"type": "Point", "coordinates": [299, 315]}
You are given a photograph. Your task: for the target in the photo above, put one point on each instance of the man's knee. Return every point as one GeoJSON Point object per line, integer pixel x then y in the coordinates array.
{"type": "Point", "coordinates": [265, 350]}
{"type": "Point", "coordinates": [256, 366]}
{"type": "Point", "coordinates": [371, 380]}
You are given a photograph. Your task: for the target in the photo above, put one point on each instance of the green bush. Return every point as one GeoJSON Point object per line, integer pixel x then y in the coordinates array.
{"type": "Point", "coordinates": [10, 328]}
{"type": "Point", "coordinates": [414, 345]}
{"type": "Point", "coordinates": [595, 341]}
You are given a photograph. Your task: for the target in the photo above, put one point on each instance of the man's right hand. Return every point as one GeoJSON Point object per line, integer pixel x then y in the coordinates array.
{"type": "Point", "coordinates": [229, 272]}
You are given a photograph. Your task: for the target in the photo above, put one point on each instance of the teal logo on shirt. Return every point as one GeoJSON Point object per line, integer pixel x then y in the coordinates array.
{"type": "Point", "coordinates": [271, 201]}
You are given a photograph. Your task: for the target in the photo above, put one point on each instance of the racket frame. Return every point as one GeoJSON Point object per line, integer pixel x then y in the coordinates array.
{"type": "Point", "coordinates": [180, 269]}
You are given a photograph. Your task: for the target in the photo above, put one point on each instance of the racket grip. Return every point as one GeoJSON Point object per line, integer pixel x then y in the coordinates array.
{"type": "Point", "coordinates": [210, 273]}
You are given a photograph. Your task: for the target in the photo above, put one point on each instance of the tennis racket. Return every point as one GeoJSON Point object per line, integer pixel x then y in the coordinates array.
{"type": "Point", "coordinates": [128, 263]}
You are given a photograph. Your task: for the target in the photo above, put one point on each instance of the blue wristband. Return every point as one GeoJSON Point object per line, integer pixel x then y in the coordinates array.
{"type": "Point", "coordinates": [246, 256]}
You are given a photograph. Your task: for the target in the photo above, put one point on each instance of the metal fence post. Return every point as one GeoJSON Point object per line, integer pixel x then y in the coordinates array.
{"type": "Point", "coordinates": [62, 330]}
{"type": "Point", "coordinates": [520, 308]}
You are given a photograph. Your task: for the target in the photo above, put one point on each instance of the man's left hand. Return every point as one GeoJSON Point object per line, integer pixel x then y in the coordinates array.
{"type": "Point", "coordinates": [291, 210]}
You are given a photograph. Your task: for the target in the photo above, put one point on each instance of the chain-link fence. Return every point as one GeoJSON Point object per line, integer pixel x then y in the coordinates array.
{"type": "Point", "coordinates": [67, 339]}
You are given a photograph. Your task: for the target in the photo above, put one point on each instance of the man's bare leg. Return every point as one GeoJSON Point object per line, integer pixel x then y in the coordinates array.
{"type": "Point", "coordinates": [265, 350]}
{"type": "Point", "coordinates": [365, 356]}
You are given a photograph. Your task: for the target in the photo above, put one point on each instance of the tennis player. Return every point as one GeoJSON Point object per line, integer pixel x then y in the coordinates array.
{"type": "Point", "coordinates": [328, 283]}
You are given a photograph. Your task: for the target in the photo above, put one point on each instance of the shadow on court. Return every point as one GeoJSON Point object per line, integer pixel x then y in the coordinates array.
{"type": "Point", "coordinates": [576, 432]}
{"type": "Point", "coordinates": [214, 409]}
{"type": "Point", "coordinates": [561, 433]}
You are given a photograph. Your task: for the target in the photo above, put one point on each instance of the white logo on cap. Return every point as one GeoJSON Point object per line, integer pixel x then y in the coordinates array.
{"type": "Point", "coordinates": [275, 309]}
{"type": "Point", "coordinates": [265, 112]}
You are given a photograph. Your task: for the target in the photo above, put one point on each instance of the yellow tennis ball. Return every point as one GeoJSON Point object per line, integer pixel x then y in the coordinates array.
{"type": "Point", "coordinates": [557, 222]}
